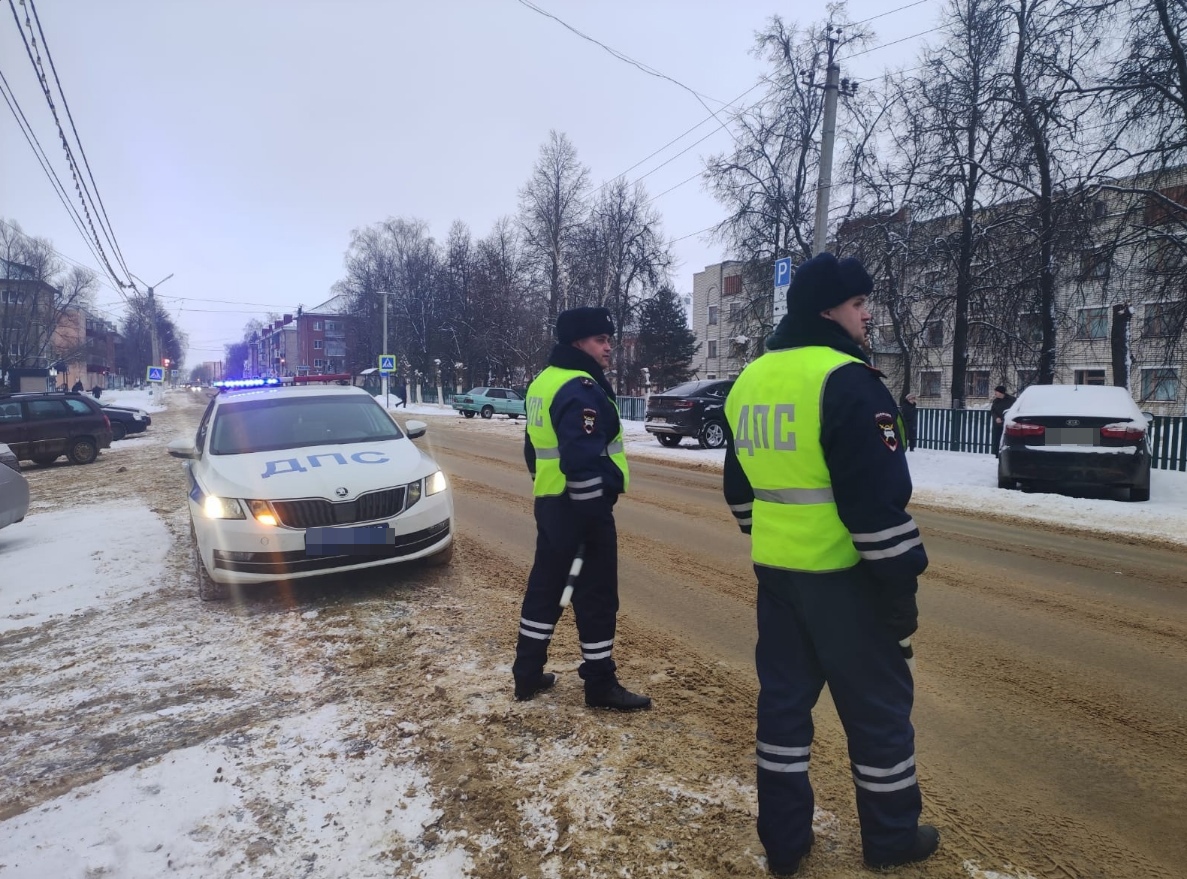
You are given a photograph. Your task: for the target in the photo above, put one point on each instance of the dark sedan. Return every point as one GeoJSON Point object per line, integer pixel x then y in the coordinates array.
{"type": "Point", "coordinates": [694, 409]}
{"type": "Point", "coordinates": [126, 420]}
{"type": "Point", "coordinates": [1076, 434]}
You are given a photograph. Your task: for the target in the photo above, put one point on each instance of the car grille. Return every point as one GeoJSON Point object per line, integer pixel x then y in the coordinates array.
{"type": "Point", "coordinates": [319, 512]}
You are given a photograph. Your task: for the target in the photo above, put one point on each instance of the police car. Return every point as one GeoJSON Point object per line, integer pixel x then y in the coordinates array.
{"type": "Point", "coordinates": [299, 480]}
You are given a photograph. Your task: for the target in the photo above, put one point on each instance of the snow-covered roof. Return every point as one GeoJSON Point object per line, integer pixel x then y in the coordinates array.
{"type": "Point", "coordinates": [336, 305]}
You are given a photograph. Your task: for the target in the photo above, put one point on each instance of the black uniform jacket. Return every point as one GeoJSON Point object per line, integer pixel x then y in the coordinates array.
{"type": "Point", "coordinates": [586, 420]}
{"type": "Point", "coordinates": [866, 456]}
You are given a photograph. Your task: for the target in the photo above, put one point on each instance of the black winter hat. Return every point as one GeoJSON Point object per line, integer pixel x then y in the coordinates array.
{"type": "Point", "coordinates": [1001, 389]}
{"type": "Point", "coordinates": [581, 323]}
{"type": "Point", "coordinates": [824, 282]}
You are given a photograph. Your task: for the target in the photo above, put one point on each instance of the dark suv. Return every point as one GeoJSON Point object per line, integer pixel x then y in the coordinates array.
{"type": "Point", "coordinates": [43, 427]}
{"type": "Point", "coordinates": [694, 409]}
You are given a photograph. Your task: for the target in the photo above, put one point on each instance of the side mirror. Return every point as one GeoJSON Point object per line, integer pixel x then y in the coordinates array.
{"type": "Point", "coordinates": [182, 448]}
{"type": "Point", "coordinates": [415, 429]}
{"type": "Point", "coordinates": [1149, 416]}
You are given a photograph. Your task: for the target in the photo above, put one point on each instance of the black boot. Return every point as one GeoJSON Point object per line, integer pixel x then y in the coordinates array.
{"type": "Point", "coordinates": [791, 867]}
{"type": "Point", "coordinates": [615, 696]}
{"type": "Point", "coordinates": [927, 840]}
{"type": "Point", "coordinates": [526, 688]}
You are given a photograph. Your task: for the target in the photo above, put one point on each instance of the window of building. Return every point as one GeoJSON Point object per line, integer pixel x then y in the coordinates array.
{"type": "Point", "coordinates": [712, 348]}
{"type": "Point", "coordinates": [976, 383]}
{"type": "Point", "coordinates": [317, 324]}
{"type": "Point", "coordinates": [1030, 326]}
{"type": "Point", "coordinates": [929, 384]}
{"type": "Point", "coordinates": [1027, 377]}
{"type": "Point", "coordinates": [318, 344]}
{"type": "Point", "coordinates": [735, 311]}
{"type": "Point", "coordinates": [1094, 264]}
{"type": "Point", "coordinates": [319, 364]}
{"type": "Point", "coordinates": [1092, 323]}
{"type": "Point", "coordinates": [1090, 376]}
{"type": "Point", "coordinates": [733, 285]}
{"type": "Point", "coordinates": [334, 326]}
{"type": "Point", "coordinates": [980, 334]}
{"type": "Point", "coordinates": [732, 376]}
{"type": "Point", "coordinates": [1159, 318]}
{"type": "Point", "coordinates": [884, 335]}
{"type": "Point", "coordinates": [1099, 209]}
{"type": "Point", "coordinates": [712, 315]}
{"type": "Point", "coordinates": [1160, 385]}
{"type": "Point", "coordinates": [712, 376]}
{"type": "Point", "coordinates": [933, 334]}
{"type": "Point", "coordinates": [11, 297]}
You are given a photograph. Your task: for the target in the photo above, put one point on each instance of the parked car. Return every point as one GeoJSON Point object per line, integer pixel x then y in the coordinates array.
{"type": "Point", "coordinates": [125, 420]}
{"type": "Point", "coordinates": [694, 409]}
{"type": "Point", "coordinates": [43, 427]}
{"type": "Point", "coordinates": [14, 489]}
{"type": "Point", "coordinates": [489, 402]}
{"type": "Point", "coordinates": [1081, 434]}
{"type": "Point", "coordinates": [298, 481]}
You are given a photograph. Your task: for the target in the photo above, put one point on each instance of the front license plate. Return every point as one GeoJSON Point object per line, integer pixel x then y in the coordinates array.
{"type": "Point", "coordinates": [358, 540]}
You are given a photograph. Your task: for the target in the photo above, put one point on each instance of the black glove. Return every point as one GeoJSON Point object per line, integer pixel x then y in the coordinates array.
{"type": "Point", "coordinates": [899, 611]}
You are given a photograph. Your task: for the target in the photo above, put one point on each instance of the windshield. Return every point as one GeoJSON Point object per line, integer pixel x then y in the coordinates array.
{"type": "Point", "coordinates": [685, 390]}
{"type": "Point", "coordinates": [291, 423]}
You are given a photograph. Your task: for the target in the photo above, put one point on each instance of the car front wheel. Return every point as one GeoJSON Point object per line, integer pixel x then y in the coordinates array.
{"type": "Point", "coordinates": [82, 451]}
{"type": "Point", "coordinates": [670, 440]}
{"type": "Point", "coordinates": [487, 411]}
{"type": "Point", "coordinates": [208, 589]}
{"type": "Point", "coordinates": [44, 460]}
{"type": "Point", "coordinates": [712, 435]}
{"type": "Point", "coordinates": [118, 431]}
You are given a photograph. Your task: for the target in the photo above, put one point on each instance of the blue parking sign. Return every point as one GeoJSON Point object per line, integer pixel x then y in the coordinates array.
{"type": "Point", "coordinates": [783, 271]}
{"type": "Point", "coordinates": [156, 373]}
{"type": "Point", "coordinates": [387, 364]}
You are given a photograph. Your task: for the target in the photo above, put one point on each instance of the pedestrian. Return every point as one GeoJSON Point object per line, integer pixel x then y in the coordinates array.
{"type": "Point", "coordinates": [910, 412]}
{"type": "Point", "coordinates": [573, 448]}
{"type": "Point", "coordinates": [816, 473]}
{"type": "Point", "coordinates": [77, 387]}
{"type": "Point", "coordinates": [96, 392]}
{"type": "Point", "coordinates": [997, 410]}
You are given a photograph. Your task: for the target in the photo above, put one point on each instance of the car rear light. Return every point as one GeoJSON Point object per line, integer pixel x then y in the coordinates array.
{"type": "Point", "coordinates": [1126, 434]}
{"type": "Point", "coordinates": [1023, 430]}
{"type": "Point", "coordinates": [683, 404]}
{"type": "Point", "coordinates": [107, 422]}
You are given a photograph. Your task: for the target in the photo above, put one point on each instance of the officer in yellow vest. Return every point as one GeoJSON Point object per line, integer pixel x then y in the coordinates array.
{"type": "Point", "coordinates": [573, 449]}
{"type": "Point", "coordinates": [816, 473]}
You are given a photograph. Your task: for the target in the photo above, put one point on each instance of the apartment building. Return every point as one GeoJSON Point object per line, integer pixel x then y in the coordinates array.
{"type": "Point", "coordinates": [722, 321]}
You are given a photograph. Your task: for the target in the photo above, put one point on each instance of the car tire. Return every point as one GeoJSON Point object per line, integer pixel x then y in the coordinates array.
{"type": "Point", "coordinates": [1004, 482]}
{"type": "Point", "coordinates": [712, 435]}
{"type": "Point", "coordinates": [487, 411]}
{"type": "Point", "coordinates": [440, 559]}
{"type": "Point", "coordinates": [118, 431]}
{"type": "Point", "coordinates": [208, 588]}
{"type": "Point", "coordinates": [669, 440]}
{"type": "Point", "coordinates": [45, 460]}
{"type": "Point", "coordinates": [82, 450]}
{"type": "Point", "coordinates": [512, 416]}
{"type": "Point", "coordinates": [468, 414]}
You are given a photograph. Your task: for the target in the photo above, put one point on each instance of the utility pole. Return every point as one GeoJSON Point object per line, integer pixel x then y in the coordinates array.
{"type": "Point", "coordinates": [152, 318]}
{"type": "Point", "coordinates": [387, 400]}
{"type": "Point", "coordinates": [833, 86]}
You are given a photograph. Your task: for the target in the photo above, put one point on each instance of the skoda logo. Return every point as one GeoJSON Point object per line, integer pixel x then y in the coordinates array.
{"type": "Point", "coordinates": [1072, 422]}
{"type": "Point", "coordinates": [341, 492]}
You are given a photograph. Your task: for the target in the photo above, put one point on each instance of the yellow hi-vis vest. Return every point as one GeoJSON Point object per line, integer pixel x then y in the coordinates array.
{"type": "Point", "coordinates": [549, 479]}
{"type": "Point", "coordinates": [774, 411]}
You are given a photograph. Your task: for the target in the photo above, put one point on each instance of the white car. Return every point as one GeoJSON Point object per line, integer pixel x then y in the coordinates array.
{"type": "Point", "coordinates": [14, 489]}
{"type": "Point", "coordinates": [306, 480]}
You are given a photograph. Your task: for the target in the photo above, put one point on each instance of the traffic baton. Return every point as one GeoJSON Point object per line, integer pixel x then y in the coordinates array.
{"type": "Point", "coordinates": [574, 573]}
{"type": "Point", "coordinates": [908, 654]}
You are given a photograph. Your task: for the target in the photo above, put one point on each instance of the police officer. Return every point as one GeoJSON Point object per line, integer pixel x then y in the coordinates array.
{"type": "Point", "coordinates": [815, 472]}
{"type": "Point", "coordinates": [574, 451]}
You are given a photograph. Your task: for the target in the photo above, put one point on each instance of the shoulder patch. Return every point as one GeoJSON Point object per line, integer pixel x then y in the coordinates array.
{"type": "Point", "coordinates": [886, 428]}
{"type": "Point", "coordinates": [588, 418]}
{"type": "Point", "coordinates": [587, 382]}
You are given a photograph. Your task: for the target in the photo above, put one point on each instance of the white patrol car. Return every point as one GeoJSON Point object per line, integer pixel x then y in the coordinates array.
{"type": "Point", "coordinates": [297, 481]}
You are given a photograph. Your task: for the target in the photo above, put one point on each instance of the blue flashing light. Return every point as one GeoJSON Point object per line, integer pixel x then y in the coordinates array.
{"type": "Point", "coordinates": [247, 383]}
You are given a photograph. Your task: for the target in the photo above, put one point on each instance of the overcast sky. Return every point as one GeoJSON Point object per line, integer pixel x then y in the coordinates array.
{"type": "Point", "coordinates": [236, 143]}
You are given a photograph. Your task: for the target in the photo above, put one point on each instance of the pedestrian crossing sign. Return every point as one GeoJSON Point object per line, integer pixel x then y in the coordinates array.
{"type": "Point", "coordinates": [387, 364]}
{"type": "Point", "coordinates": [156, 373]}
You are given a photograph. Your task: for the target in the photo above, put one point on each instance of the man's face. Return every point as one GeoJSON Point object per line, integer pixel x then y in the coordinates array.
{"type": "Point", "coordinates": [999, 395]}
{"type": "Point", "coordinates": [853, 318]}
{"type": "Point", "coordinates": [597, 347]}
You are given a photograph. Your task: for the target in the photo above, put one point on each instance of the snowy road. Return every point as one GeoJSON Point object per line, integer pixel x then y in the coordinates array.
{"type": "Point", "coordinates": [365, 728]}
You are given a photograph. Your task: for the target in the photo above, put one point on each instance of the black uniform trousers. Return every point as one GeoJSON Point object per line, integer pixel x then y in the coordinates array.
{"type": "Point", "coordinates": [560, 529]}
{"type": "Point", "coordinates": [815, 629]}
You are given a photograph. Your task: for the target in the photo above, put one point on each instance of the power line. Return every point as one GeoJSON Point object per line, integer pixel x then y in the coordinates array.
{"type": "Point", "coordinates": [86, 162]}
{"type": "Point", "coordinates": [891, 12]}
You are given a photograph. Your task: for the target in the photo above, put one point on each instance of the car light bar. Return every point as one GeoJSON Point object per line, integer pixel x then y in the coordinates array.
{"type": "Point", "coordinates": [248, 383]}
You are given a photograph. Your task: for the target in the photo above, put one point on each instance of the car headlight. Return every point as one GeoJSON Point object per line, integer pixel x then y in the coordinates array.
{"type": "Point", "coordinates": [262, 512]}
{"type": "Point", "coordinates": [222, 508]}
{"type": "Point", "coordinates": [435, 484]}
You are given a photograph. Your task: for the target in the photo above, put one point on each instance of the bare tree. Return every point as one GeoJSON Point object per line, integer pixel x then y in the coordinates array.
{"type": "Point", "coordinates": [551, 210]}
